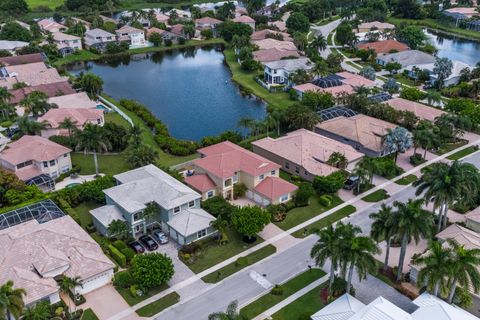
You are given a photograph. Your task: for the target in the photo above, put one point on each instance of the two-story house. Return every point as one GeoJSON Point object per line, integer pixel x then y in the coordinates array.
{"type": "Point", "coordinates": [135, 37]}
{"type": "Point", "coordinates": [67, 43]}
{"type": "Point", "coordinates": [36, 160]}
{"type": "Point", "coordinates": [53, 119]}
{"type": "Point", "coordinates": [98, 39]}
{"type": "Point", "coordinates": [278, 73]}
{"type": "Point", "coordinates": [178, 210]}
{"type": "Point", "coordinates": [225, 164]}
{"type": "Point", "coordinates": [208, 23]}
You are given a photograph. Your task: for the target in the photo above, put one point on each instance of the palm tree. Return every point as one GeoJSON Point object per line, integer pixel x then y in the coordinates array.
{"type": "Point", "coordinates": [369, 165]}
{"type": "Point", "coordinates": [68, 284]}
{"type": "Point", "coordinates": [230, 314]}
{"type": "Point", "coordinates": [338, 160]}
{"type": "Point", "coordinates": [268, 123]}
{"type": "Point", "coordinates": [436, 266]}
{"type": "Point", "coordinates": [6, 109]}
{"type": "Point", "coordinates": [5, 95]}
{"type": "Point", "coordinates": [464, 268]}
{"type": "Point", "coordinates": [92, 139]}
{"type": "Point", "coordinates": [41, 311]}
{"type": "Point", "coordinates": [30, 127]}
{"type": "Point", "coordinates": [91, 83]}
{"type": "Point", "coordinates": [382, 228]}
{"type": "Point", "coordinates": [320, 69]}
{"type": "Point", "coordinates": [150, 212]}
{"type": "Point", "coordinates": [432, 97]}
{"type": "Point", "coordinates": [277, 117]}
{"type": "Point", "coordinates": [245, 123]}
{"type": "Point", "coordinates": [35, 103]}
{"type": "Point", "coordinates": [411, 222]}
{"type": "Point", "coordinates": [68, 124]}
{"type": "Point", "coordinates": [319, 43]}
{"type": "Point", "coordinates": [11, 301]}
{"type": "Point", "coordinates": [397, 140]}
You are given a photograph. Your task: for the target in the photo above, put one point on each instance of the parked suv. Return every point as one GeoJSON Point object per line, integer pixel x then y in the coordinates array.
{"type": "Point", "coordinates": [136, 246]}
{"type": "Point", "coordinates": [351, 183]}
{"type": "Point", "coordinates": [160, 236]}
{"type": "Point", "coordinates": [148, 242]}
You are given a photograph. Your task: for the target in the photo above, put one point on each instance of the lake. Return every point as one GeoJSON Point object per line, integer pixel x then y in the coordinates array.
{"type": "Point", "coordinates": [190, 90]}
{"type": "Point", "coordinates": [454, 48]}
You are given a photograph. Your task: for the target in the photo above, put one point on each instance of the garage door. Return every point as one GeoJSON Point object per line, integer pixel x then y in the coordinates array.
{"type": "Point", "coordinates": [95, 282]}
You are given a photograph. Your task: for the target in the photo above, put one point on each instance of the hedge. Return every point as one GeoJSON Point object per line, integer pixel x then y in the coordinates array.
{"type": "Point", "coordinates": [128, 253]}
{"type": "Point", "coordinates": [326, 200]}
{"type": "Point", "coordinates": [118, 256]}
{"type": "Point", "coordinates": [119, 244]}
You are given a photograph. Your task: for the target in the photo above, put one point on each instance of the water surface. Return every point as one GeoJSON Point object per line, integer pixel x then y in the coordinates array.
{"type": "Point", "coordinates": [467, 51]}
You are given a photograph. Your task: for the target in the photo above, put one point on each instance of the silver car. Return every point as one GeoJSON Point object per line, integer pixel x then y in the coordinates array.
{"type": "Point", "coordinates": [160, 236]}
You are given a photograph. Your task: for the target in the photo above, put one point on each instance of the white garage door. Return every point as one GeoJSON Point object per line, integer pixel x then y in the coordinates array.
{"type": "Point", "coordinates": [95, 282]}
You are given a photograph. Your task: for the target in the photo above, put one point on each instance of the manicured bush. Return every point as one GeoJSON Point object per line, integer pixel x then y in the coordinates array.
{"type": "Point", "coordinates": [134, 290]}
{"type": "Point", "coordinates": [239, 190]}
{"type": "Point", "coordinates": [119, 244]}
{"type": "Point", "coordinates": [128, 253]}
{"type": "Point", "coordinates": [118, 256]}
{"type": "Point", "coordinates": [241, 262]}
{"type": "Point", "coordinates": [277, 290]}
{"type": "Point", "coordinates": [416, 159]}
{"type": "Point", "coordinates": [325, 200]}
{"type": "Point", "coordinates": [123, 279]}
{"type": "Point", "coordinates": [331, 183]}
{"type": "Point", "coordinates": [181, 40]}
{"type": "Point", "coordinates": [152, 269]}
{"type": "Point", "coordinates": [303, 194]}
{"type": "Point", "coordinates": [218, 207]}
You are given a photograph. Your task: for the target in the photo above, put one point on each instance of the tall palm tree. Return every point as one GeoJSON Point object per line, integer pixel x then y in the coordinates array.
{"type": "Point", "coordinates": [411, 222]}
{"type": "Point", "coordinates": [397, 140]}
{"type": "Point", "coordinates": [230, 314]}
{"type": "Point", "coordinates": [29, 127]}
{"type": "Point", "coordinates": [68, 124]}
{"type": "Point", "coordinates": [277, 117]}
{"type": "Point", "coordinates": [35, 103]}
{"type": "Point", "coordinates": [320, 69]}
{"type": "Point", "coordinates": [382, 228]}
{"type": "Point", "coordinates": [5, 95]}
{"type": "Point", "coordinates": [92, 139]}
{"type": "Point", "coordinates": [6, 110]}
{"type": "Point", "coordinates": [432, 97]}
{"type": "Point", "coordinates": [369, 165]}
{"type": "Point", "coordinates": [319, 43]}
{"type": "Point", "coordinates": [436, 266]}
{"type": "Point", "coordinates": [11, 301]}
{"type": "Point", "coordinates": [41, 311]}
{"type": "Point", "coordinates": [464, 268]}
{"type": "Point", "coordinates": [245, 123]}
{"type": "Point", "coordinates": [150, 212]}
{"type": "Point", "coordinates": [68, 284]}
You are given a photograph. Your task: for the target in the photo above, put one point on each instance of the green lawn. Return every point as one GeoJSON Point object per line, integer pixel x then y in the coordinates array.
{"type": "Point", "coordinates": [407, 180]}
{"type": "Point", "coordinates": [463, 153]}
{"type": "Point", "coordinates": [81, 55]}
{"type": "Point", "coordinates": [212, 253]}
{"type": "Point", "coordinates": [88, 314]}
{"type": "Point", "coordinates": [303, 307]}
{"type": "Point", "coordinates": [52, 4]}
{"type": "Point", "coordinates": [83, 211]}
{"type": "Point", "coordinates": [290, 287]}
{"type": "Point", "coordinates": [451, 146]}
{"type": "Point", "coordinates": [247, 82]}
{"type": "Point", "coordinates": [376, 196]}
{"type": "Point", "coordinates": [131, 300]}
{"type": "Point", "coordinates": [108, 164]}
{"type": "Point", "coordinates": [302, 214]}
{"type": "Point", "coordinates": [155, 307]}
{"type": "Point", "coordinates": [236, 266]}
{"type": "Point", "coordinates": [117, 119]}
{"type": "Point", "coordinates": [325, 222]}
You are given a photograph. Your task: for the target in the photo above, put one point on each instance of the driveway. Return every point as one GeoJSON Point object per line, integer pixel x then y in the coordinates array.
{"type": "Point", "coordinates": [106, 302]}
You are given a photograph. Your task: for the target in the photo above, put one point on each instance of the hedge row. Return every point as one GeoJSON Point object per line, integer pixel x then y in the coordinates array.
{"type": "Point", "coordinates": [118, 256]}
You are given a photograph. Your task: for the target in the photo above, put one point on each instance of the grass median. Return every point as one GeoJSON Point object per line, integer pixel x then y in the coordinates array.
{"type": "Point", "coordinates": [462, 153]}
{"type": "Point", "coordinates": [406, 180]}
{"type": "Point", "coordinates": [88, 314]}
{"type": "Point", "coordinates": [159, 305]}
{"type": "Point", "coordinates": [376, 196]}
{"type": "Point", "coordinates": [325, 222]}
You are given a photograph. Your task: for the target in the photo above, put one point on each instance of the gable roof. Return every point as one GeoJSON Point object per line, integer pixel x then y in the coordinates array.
{"type": "Point", "coordinates": [291, 65]}
{"type": "Point", "coordinates": [355, 80]}
{"type": "Point", "coordinates": [32, 74]}
{"type": "Point", "coordinates": [60, 36]}
{"type": "Point", "coordinates": [466, 237]}
{"type": "Point", "coordinates": [12, 45]}
{"type": "Point", "coordinates": [381, 309]}
{"type": "Point", "coordinates": [243, 19]}
{"type": "Point", "coordinates": [50, 25]}
{"type": "Point", "coordinates": [268, 55]}
{"type": "Point", "coordinates": [98, 33]}
{"type": "Point", "coordinates": [341, 309]}
{"type": "Point", "coordinates": [420, 110]}
{"type": "Point", "coordinates": [128, 29]}
{"type": "Point", "coordinates": [269, 43]}
{"type": "Point", "coordinates": [200, 182]}
{"type": "Point", "coordinates": [431, 307]}
{"type": "Point", "coordinates": [263, 34]}
{"type": "Point", "coordinates": [385, 46]}
{"type": "Point", "coordinates": [50, 89]}
{"type": "Point", "coordinates": [80, 116]}
{"type": "Point", "coordinates": [190, 221]}
{"type": "Point", "coordinates": [408, 58]}
{"type": "Point", "coordinates": [273, 188]}
{"type": "Point", "coordinates": [78, 100]}
{"type": "Point", "coordinates": [208, 20]}
{"type": "Point", "coordinates": [23, 59]}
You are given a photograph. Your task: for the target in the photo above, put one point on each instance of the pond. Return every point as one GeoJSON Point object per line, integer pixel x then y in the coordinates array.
{"type": "Point", "coordinates": [454, 48]}
{"type": "Point", "coordinates": [190, 90]}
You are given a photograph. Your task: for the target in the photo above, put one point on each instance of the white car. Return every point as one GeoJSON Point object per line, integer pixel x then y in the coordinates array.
{"type": "Point", "coordinates": [160, 236]}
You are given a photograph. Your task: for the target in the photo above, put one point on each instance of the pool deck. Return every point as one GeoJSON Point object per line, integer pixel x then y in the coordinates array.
{"type": "Point", "coordinates": [80, 179]}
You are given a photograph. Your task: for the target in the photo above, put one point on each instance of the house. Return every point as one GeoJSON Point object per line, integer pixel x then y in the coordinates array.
{"type": "Point", "coordinates": [406, 58]}
{"type": "Point", "coordinates": [50, 89]}
{"type": "Point", "coordinates": [23, 59]}
{"type": "Point", "coordinates": [39, 243]}
{"type": "Point", "coordinates": [245, 20]}
{"type": "Point", "coordinates": [274, 54]}
{"type": "Point", "coordinates": [384, 47]}
{"type": "Point", "coordinates": [362, 132]}
{"type": "Point", "coordinates": [431, 307]}
{"type": "Point", "coordinates": [270, 43]}
{"type": "Point", "coordinates": [240, 11]}
{"type": "Point", "coordinates": [305, 153]}
{"type": "Point", "coordinates": [32, 74]}
{"type": "Point", "coordinates": [181, 14]}
{"type": "Point", "coordinates": [279, 24]}
{"type": "Point", "coordinates": [355, 80]}
{"type": "Point", "coordinates": [162, 18]}
{"type": "Point", "coordinates": [473, 25]}
{"type": "Point", "coordinates": [54, 117]}
{"type": "Point", "coordinates": [36, 160]}
{"type": "Point", "coordinates": [420, 110]}
{"type": "Point", "coordinates": [98, 39]}
{"type": "Point", "coordinates": [166, 35]}
{"type": "Point", "coordinates": [135, 37]}
{"type": "Point", "coordinates": [460, 14]}
{"type": "Point", "coordinates": [267, 33]}
{"type": "Point", "coordinates": [12, 46]}
{"type": "Point", "coordinates": [108, 19]}
{"type": "Point", "coordinates": [177, 30]}
{"type": "Point", "coordinates": [453, 79]}
{"type": "Point", "coordinates": [78, 100]}
{"type": "Point", "coordinates": [225, 164]}
{"type": "Point", "coordinates": [86, 24]}
{"type": "Point", "coordinates": [178, 207]}
{"type": "Point", "coordinates": [50, 26]}
{"type": "Point", "coordinates": [278, 72]}
{"type": "Point", "coordinates": [66, 43]}
{"type": "Point", "coordinates": [374, 25]}
{"type": "Point", "coordinates": [473, 220]}
{"type": "Point", "coordinates": [207, 23]}
{"type": "Point", "coordinates": [334, 91]}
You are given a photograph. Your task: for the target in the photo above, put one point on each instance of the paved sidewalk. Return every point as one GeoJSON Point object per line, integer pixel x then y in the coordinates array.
{"type": "Point", "coordinates": [271, 231]}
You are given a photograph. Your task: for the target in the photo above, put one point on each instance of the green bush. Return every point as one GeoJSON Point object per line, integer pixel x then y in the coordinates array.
{"type": "Point", "coordinates": [331, 183]}
{"type": "Point", "coordinates": [416, 159]}
{"type": "Point", "coordinates": [277, 290]}
{"type": "Point", "coordinates": [303, 194]}
{"type": "Point", "coordinates": [325, 200]}
{"type": "Point", "coordinates": [128, 253]}
{"type": "Point", "coordinates": [134, 290]}
{"type": "Point", "coordinates": [123, 279]}
{"type": "Point", "coordinates": [120, 245]}
{"type": "Point", "coordinates": [239, 190]}
{"type": "Point", "coordinates": [118, 256]}
{"type": "Point", "coordinates": [6, 124]}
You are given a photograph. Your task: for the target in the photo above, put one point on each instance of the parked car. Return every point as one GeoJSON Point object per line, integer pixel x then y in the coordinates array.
{"type": "Point", "coordinates": [351, 183]}
{"type": "Point", "coordinates": [136, 246]}
{"type": "Point", "coordinates": [160, 236]}
{"type": "Point", "coordinates": [148, 242]}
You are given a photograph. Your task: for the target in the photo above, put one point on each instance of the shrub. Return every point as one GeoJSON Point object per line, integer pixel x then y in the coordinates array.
{"type": "Point", "coordinates": [239, 190]}
{"type": "Point", "coordinates": [416, 159]}
{"type": "Point", "coordinates": [123, 279]}
{"type": "Point", "coordinates": [119, 244]}
{"type": "Point", "coordinates": [190, 248]}
{"type": "Point", "coordinates": [331, 183]}
{"type": "Point", "coordinates": [303, 194]}
{"type": "Point", "coordinates": [325, 200]}
{"type": "Point", "coordinates": [241, 262]}
{"type": "Point", "coordinates": [152, 269]}
{"type": "Point", "coordinates": [128, 253]}
{"type": "Point", "coordinates": [218, 207]}
{"type": "Point", "coordinates": [167, 42]}
{"type": "Point", "coordinates": [134, 290]}
{"type": "Point", "coordinates": [118, 256]}
{"type": "Point", "coordinates": [277, 290]}
{"type": "Point", "coordinates": [181, 40]}
{"type": "Point", "coordinates": [6, 124]}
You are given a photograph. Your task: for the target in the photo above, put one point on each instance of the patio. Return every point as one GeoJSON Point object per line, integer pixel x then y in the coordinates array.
{"type": "Point", "coordinates": [69, 181]}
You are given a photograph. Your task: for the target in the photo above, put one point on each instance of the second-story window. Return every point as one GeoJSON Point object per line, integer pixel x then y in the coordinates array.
{"type": "Point", "coordinates": [45, 164]}
{"type": "Point", "coordinates": [235, 177]}
{"type": "Point", "coordinates": [52, 162]}
{"type": "Point", "coordinates": [191, 204]}
{"type": "Point", "coordinates": [176, 210]}
{"type": "Point", "coordinates": [273, 172]}
{"type": "Point", "coordinates": [261, 177]}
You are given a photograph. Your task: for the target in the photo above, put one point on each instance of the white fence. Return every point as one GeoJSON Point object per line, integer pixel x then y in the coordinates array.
{"type": "Point", "coordinates": [117, 110]}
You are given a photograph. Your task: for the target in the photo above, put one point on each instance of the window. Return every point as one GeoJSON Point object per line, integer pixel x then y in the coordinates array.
{"type": "Point", "coordinates": [297, 170]}
{"type": "Point", "coordinates": [54, 174]}
{"type": "Point", "coordinates": [191, 204]}
{"type": "Point", "coordinates": [261, 177]}
{"type": "Point", "coordinates": [136, 217]}
{"type": "Point", "coordinates": [235, 177]}
{"type": "Point", "coordinates": [24, 164]}
{"type": "Point", "coordinates": [45, 164]}
{"type": "Point", "coordinates": [202, 233]}
{"type": "Point", "coordinates": [273, 172]}
{"type": "Point", "coordinates": [176, 210]}
{"type": "Point", "coordinates": [306, 172]}
{"type": "Point", "coordinates": [99, 121]}
{"type": "Point", "coordinates": [228, 182]}
{"type": "Point", "coordinates": [210, 194]}
{"type": "Point", "coordinates": [284, 198]}
{"type": "Point", "coordinates": [52, 162]}
{"type": "Point", "coordinates": [287, 165]}
{"type": "Point", "coordinates": [65, 155]}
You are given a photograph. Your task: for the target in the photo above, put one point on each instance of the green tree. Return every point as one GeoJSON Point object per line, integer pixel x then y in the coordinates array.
{"type": "Point", "coordinates": [140, 155]}
{"type": "Point", "coordinates": [29, 127]}
{"type": "Point", "coordinates": [68, 285]}
{"type": "Point", "coordinates": [254, 5]}
{"type": "Point", "coordinates": [397, 140]}
{"type": "Point", "coordinates": [412, 35]}
{"type": "Point", "coordinates": [330, 183]}
{"type": "Point", "coordinates": [226, 11]}
{"type": "Point", "coordinates": [368, 72]}
{"type": "Point", "coordinates": [319, 43]}
{"type": "Point", "coordinates": [35, 103]}
{"type": "Point", "coordinates": [40, 311]}
{"type": "Point", "coordinates": [250, 220]}
{"type": "Point", "coordinates": [320, 69]}
{"type": "Point", "coordinates": [344, 35]}
{"type": "Point", "coordinates": [382, 228]}
{"type": "Point", "coordinates": [443, 68]}
{"type": "Point", "coordinates": [11, 300]}
{"type": "Point", "coordinates": [150, 212]}
{"type": "Point", "coordinates": [90, 83]}
{"type": "Point", "coordinates": [464, 268]}
{"type": "Point", "coordinates": [304, 193]}
{"type": "Point", "coordinates": [14, 7]}
{"type": "Point", "coordinates": [68, 124]}
{"type": "Point", "coordinates": [298, 116]}
{"type": "Point", "coordinates": [92, 139]}
{"type": "Point", "coordinates": [119, 229]}
{"type": "Point", "coordinates": [337, 160]}
{"type": "Point", "coordinates": [393, 67]}
{"type": "Point", "coordinates": [152, 269]}
{"type": "Point", "coordinates": [230, 314]}
{"type": "Point", "coordinates": [155, 38]}
{"type": "Point", "coordinates": [298, 22]}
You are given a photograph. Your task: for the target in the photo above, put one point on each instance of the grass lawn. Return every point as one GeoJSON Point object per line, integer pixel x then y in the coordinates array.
{"type": "Point", "coordinates": [81, 55]}
{"type": "Point", "coordinates": [246, 81]}
{"type": "Point", "coordinates": [89, 315]}
{"type": "Point", "coordinates": [302, 214]}
{"type": "Point", "coordinates": [108, 164]}
{"type": "Point", "coordinates": [325, 222]}
{"type": "Point", "coordinates": [303, 307]}
{"type": "Point", "coordinates": [212, 253]}
{"type": "Point", "coordinates": [131, 300]}
{"type": "Point", "coordinates": [83, 211]}
{"type": "Point", "coordinates": [451, 146]}
{"type": "Point", "coordinates": [52, 4]}
{"type": "Point", "coordinates": [376, 196]}
{"type": "Point", "coordinates": [117, 119]}
{"type": "Point", "coordinates": [462, 153]}
{"type": "Point", "coordinates": [290, 287]}
{"type": "Point", "coordinates": [236, 266]}
{"type": "Point", "coordinates": [155, 307]}
{"type": "Point", "coordinates": [401, 78]}
{"type": "Point", "coordinates": [406, 180]}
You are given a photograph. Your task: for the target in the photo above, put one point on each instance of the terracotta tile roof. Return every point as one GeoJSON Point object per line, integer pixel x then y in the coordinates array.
{"type": "Point", "coordinates": [269, 55]}
{"type": "Point", "coordinates": [355, 80]}
{"type": "Point", "coordinates": [273, 188]}
{"type": "Point", "coordinates": [262, 34]}
{"type": "Point", "coordinates": [32, 148]}
{"type": "Point", "coordinates": [386, 46]}
{"type": "Point", "coordinates": [128, 29]}
{"type": "Point", "coordinates": [23, 59]}
{"type": "Point", "coordinates": [225, 158]}
{"type": "Point", "coordinates": [335, 91]}
{"type": "Point", "coordinates": [177, 29]}
{"type": "Point", "coordinates": [154, 30]}
{"type": "Point", "coordinates": [420, 110]}
{"type": "Point", "coordinates": [50, 89]}
{"type": "Point", "coordinates": [200, 182]}
{"type": "Point", "coordinates": [367, 131]}
{"type": "Point", "coordinates": [207, 20]}
{"type": "Point", "coordinates": [73, 101]}
{"type": "Point", "coordinates": [270, 43]}
{"type": "Point", "coordinates": [32, 74]}
{"type": "Point", "coordinates": [81, 116]}
{"type": "Point", "coordinates": [244, 19]}
{"type": "Point", "coordinates": [162, 17]}
{"type": "Point", "coordinates": [376, 24]}
{"type": "Point", "coordinates": [60, 36]}
{"type": "Point", "coordinates": [309, 150]}
{"type": "Point", "coordinates": [465, 11]}
{"type": "Point", "coordinates": [51, 26]}
{"type": "Point", "coordinates": [28, 173]}
{"type": "Point", "coordinates": [281, 25]}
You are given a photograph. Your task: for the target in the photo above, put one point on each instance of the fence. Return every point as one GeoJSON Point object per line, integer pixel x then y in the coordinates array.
{"type": "Point", "coordinates": [117, 110]}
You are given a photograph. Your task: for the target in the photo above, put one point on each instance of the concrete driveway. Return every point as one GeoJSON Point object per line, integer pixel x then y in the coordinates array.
{"type": "Point", "coordinates": [106, 302]}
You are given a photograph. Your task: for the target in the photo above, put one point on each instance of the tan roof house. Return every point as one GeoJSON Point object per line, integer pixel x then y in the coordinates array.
{"type": "Point", "coordinates": [54, 117]}
{"type": "Point", "coordinates": [245, 20]}
{"type": "Point", "coordinates": [98, 38]}
{"type": "Point", "coordinates": [33, 74]}
{"type": "Point", "coordinates": [135, 37]}
{"type": "Point", "coordinates": [305, 153]}
{"type": "Point", "coordinates": [50, 89]}
{"type": "Point", "coordinates": [374, 25]}
{"type": "Point", "coordinates": [473, 219]}
{"type": "Point", "coordinates": [162, 18]}
{"type": "Point", "coordinates": [47, 25]}
{"type": "Point", "coordinates": [362, 132]}
{"type": "Point", "coordinates": [23, 59]}
{"type": "Point", "coordinates": [207, 23]}
{"type": "Point", "coordinates": [226, 164]}
{"type": "Point", "coordinates": [36, 251]}
{"type": "Point", "coordinates": [33, 156]}
{"type": "Point", "coordinates": [270, 43]}
{"type": "Point", "coordinates": [334, 91]}
{"type": "Point", "coordinates": [385, 46]}
{"type": "Point", "coordinates": [267, 33]}
{"type": "Point", "coordinates": [79, 100]}
{"type": "Point", "coordinates": [269, 55]}
{"type": "Point", "coordinates": [420, 110]}
{"type": "Point", "coordinates": [355, 80]}
{"type": "Point", "coordinates": [67, 43]}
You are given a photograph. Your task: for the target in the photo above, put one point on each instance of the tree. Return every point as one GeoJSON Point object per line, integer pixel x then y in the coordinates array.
{"type": "Point", "coordinates": [254, 5]}
{"type": "Point", "coordinates": [409, 9]}
{"type": "Point", "coordinates": [344, 34]}
{"type": "Point", "coordinates": [90, 83]}
{"type": "Point", "coordinates": [382, 228]}
{"type": "Point", "coordinates": [412, 35]}
{"type": "Point", "coordinates": [40, 311]}
{"type": "Point", "coordinates": [92, 139]}
{"type": "Point", "coordinates": [229, 29]}
{"type": "Point", "coordinates": [29, 127]}
{"type": "Point", "coordinates": [443, 69]}
{"type": "Point", "coordinates": [331, 183]}
{"type": "Point", "coordinates": [319, 43]}
{"type": "Point", "coordinates": [250, 220]}
{"type": "Point", "coordinates": [299, 76]}
{"type": "Point", "coordinates": [368, 72]}
{"type": "Point", "coordinates": [298, 22]}
{"type": "Point", "coordinates": [119, 229]}
{"type": "Point", "coordinates": [150, 212]}
{"type": "Point", "coordinates": [15, 32]}
{"type": "Point", "coordinates": [140, 155]}
{"type": "Point", "coordinates": [392, 67]}
{"type": "Point", "coordinates": [397, 140]}
{"type": "Point", "coordinates": [11, 300]}
{"type": "Point", "coordinates": [152, 269]}
{"type": "Point", "coordinates": [155, 38]}
{"type": "Point", "coordinates": [68, 124]}
{"type": "Point", "coordinates": [230, 314]}
{"type": "Point", "coordinates": [35, 103]}
{"type": "Point", "coordinates": [304, 193]}
{"type": "Point", "coordinates": [320, 69]}
{"type": "Point", "coordinates": [226, 11]}
{"type": "Point", "coordinates": [433, 97]}
{"type": "Point", "coordinates": [68, 284]}
{"type": "Point", "coordinates": [14, 7]}
{"type": "Point", "coordinates": [391, 85]}
{"type": "Point", "coordinates": [411, 93]}
{"type": "Point", "coordinates": [337, 160]}
{"type": "Point", "coordinates": [411, 222]}
{"type": "Point", "coordinates": [298, 116]}
{"type": "Point", "coordinates": [300, 40]}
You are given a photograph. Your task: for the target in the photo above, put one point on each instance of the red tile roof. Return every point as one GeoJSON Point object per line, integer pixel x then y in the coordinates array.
{"type": "Point", "coordinates": [50, 89]}
{"type": "Point", "coordinates": [200, 182]}
{"type": "Point", "coordinates": [208, 20]}
{"type": "Point", "coordinates": [273, 188]}
{"type": "Point", "coordinates": [386, 46]}
{"type": "Point", "coordinates": [24, 59]}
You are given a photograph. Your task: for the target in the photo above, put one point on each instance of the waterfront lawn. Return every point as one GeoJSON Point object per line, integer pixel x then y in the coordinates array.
{"type": "Point", "coordinates": [376, 196]}
{"type": "Point", "coordinates": [241, 263]}
{"type": "Point", "coordinates": [107, 164]}
{"type": "Point", "coordinates": [290, 287]}
{"type": "Point", "coordinates": [88, 314]}
{"type": "Point", "coordinates": [83, 212]}
{"type": "Point", "coordinates": [462, 153]}
{"type": "Point", "coordinates": [157, 306]}
{"type": "Point", "coordinates": [117, 119]}
{"type": "Point", "coordinates": [246, 80]}
{"type": "Point", "coordinates": [212, 253]}
{"type": "Point", "coordinates": [131, 300]}
{"type": "Point", "coordinates": [303, 307]}
{"type": "Point", "coordinates": [81, 55]}
{"type": "Point", "coordinates": [301, 214]}
{"type": "Point", "coordinates": [325, 222]}
{"type": "Point", "coordinates": [406, 180]}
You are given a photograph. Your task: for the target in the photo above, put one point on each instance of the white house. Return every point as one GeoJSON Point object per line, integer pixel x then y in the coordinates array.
{"type": "Point", "coordinates": [135, 37]}
{"type": "Point", "coordinates": [278, 72]}
{"type": "Point", "coordinates": [453, 79]}
{"type": "Point", "coordinates": [67, 43]}
{"type": "Point", "coordinates": [12, 46]}
{"type": "Point", "coordinates": [98, 39]}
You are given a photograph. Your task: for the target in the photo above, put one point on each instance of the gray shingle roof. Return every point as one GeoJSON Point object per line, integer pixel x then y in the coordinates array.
{"type": "Point", "coordinates": [12, 45]}
{"type": "Point", "coordinates": [291, 65]}
{"type": "Point", "coordinates": [99, 33]}
{"type": "Point", "coordinates": [191, 221]}
{"type": "Point", "coordinates": [408, 58]}
{"type": "Point", "coordinates": [106, 214]}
